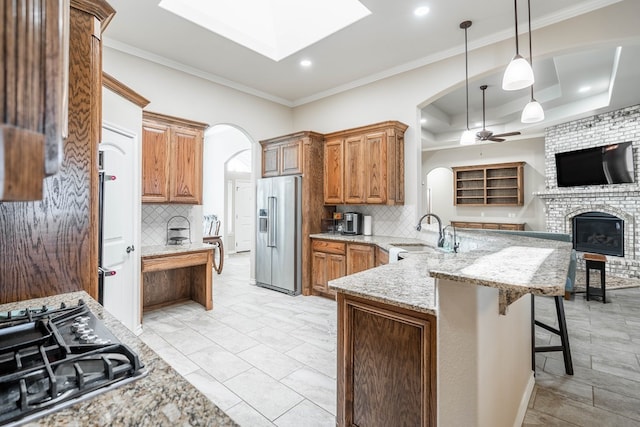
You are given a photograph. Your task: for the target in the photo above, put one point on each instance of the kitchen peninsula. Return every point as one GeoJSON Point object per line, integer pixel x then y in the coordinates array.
{"type": "Point", "coordinates": [443, 338]}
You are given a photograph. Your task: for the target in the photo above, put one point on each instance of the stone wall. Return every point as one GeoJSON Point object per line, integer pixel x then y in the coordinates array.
{"type": "Point", "coordinates": [621, 200]}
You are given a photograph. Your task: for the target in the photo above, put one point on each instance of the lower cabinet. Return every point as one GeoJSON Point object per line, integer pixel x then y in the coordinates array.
{"type": "Point", "coordinates": [360, 257]}
{"type": "Point", "coordinates": [328, 263]}
{"type": "Point", "coordinates": [332, 260]}
{"type": "Point", "coordinates": [386, 365]}
{"type": "Point", "coordinates": [382, 257]}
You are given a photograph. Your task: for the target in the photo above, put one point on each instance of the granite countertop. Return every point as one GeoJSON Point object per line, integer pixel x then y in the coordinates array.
{"type": "Point", "coordinates": [515, 265]}
{"type": "Point", "coordinates": [384, 242]}
{"type": "Point", "coordinates": [157, 250]}
{"type": "Point", "coordinates": [163, 397]}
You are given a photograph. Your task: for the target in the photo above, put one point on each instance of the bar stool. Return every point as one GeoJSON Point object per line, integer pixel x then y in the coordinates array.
{"type": "Point", "coordinates": [596, 262]}
{"type": "Point", "coordinates": [561, 331]}
{"type": "Point", "coordinates": [213, 237]}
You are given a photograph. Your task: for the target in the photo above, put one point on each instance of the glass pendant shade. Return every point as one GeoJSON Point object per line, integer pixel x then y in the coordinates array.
{"type": "Point", "coordinates": [467, 138]}
{"type": "Point", "coordinates": [518, 74]}
{"type": "Point", "coordinates": [532, 113]}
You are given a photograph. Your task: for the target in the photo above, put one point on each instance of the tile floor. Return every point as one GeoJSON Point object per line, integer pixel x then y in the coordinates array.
{"type": "Point", "coordinates": [265, 358]}
{"type": "Point", "coordinates": [268, 359]}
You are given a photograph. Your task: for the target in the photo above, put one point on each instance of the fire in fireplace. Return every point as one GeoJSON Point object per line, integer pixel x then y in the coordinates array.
{"type": "Point", "coordinates": [598, 232]}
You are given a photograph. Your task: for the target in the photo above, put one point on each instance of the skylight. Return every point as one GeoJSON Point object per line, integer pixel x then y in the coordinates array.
{"type": "Point", "coordinates": [273, 28]}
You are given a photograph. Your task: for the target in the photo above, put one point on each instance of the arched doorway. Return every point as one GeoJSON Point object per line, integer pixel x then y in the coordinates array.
{"type": "Point", "coordinates": [227, 159]}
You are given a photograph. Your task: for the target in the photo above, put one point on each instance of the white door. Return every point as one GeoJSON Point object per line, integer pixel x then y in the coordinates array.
{"type": "Point", "coordinates": [243, 213]}
{"type": "Point", "coordinates": [120, 253]}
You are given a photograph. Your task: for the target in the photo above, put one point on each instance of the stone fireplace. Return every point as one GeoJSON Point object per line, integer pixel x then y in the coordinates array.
{"type": "Point", "coordinates": [615, 207]}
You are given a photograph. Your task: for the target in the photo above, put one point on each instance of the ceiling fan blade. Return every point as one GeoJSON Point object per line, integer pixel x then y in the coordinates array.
{"type": "Point", "coordinates": [506, 134]}
{"type": "Point", "coordinates": [494, 139]}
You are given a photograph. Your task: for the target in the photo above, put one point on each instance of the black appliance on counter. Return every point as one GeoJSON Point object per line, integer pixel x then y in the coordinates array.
{"type": "Point", "coordinates": [352, 223]}
{"type": "Point", "coordinates": [51, 358]}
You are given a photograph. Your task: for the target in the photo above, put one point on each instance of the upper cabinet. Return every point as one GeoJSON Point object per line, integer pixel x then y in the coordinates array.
{"type": "Point", "coordinates": [34, 69]}
{"type": "Point", "coordinates": [365, 165]}
{"type": "Point", "coordinates": [284, 155]}
{"type": "Point", "coordinates": [500, 184]}
{"type": "Point", "coordinates": [171, 159]}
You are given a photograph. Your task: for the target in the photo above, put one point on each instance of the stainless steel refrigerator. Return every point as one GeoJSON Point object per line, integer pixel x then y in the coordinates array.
{"type": "Point", "coordinates": [278, 234]}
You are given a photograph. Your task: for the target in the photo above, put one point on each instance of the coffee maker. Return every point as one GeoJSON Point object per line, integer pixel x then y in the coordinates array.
{"type": "Point", "coordinates": [352, 223]}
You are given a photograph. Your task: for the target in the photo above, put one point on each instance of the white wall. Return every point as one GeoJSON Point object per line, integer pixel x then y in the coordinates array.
{"type": "Point", "coordinates": [530, 151]}
{"type": "Point", "coordinates": [221, 142]}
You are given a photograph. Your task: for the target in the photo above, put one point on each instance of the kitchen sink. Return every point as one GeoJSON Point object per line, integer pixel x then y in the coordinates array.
{"type": "Point", "coordinates": [415, 248]}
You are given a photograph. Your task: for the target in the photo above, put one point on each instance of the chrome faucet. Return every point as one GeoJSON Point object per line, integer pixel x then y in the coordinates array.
{"type": "Point", "coordinates": [456, 244]}
{"type": "Point", "coordinates": [440, 233]}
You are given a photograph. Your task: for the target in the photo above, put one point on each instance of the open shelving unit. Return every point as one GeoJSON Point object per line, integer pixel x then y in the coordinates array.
{"type": "Point", "coordinates": [500, 184]}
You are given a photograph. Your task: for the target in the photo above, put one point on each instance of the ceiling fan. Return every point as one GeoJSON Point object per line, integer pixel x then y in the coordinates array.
{"type": "Point", "coordinates": [487, 135]}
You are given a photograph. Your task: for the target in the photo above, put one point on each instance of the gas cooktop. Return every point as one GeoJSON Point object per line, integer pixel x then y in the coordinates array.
{"type": "Point", "coordinates": [51, 358]}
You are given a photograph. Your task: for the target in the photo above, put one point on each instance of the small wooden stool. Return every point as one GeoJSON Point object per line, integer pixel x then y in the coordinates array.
{"type": "Point", "coordinates": [596, 262]}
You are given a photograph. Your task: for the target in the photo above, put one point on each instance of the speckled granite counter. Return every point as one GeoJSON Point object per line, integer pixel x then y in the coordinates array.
{"type": "Point", "coordinates": [162, 398]}
{"type": "Point", "coordinates": [515, 265]}
{"type": "Point", "coordinates": [174, 249]}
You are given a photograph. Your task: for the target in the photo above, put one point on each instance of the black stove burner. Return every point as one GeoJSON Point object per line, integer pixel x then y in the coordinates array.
{"type": "Point", "coordinates": [53, 357]}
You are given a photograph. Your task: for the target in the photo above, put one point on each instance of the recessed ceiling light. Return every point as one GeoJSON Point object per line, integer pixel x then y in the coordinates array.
{"type": "Point", "coordinates": [478, 124]}
{"type": "Point", "coordinates": [305, 63]}
{"type": "Point", "coordinates": [267, 29]}
{"type": "Point", "coordinates": [423, 120]}
{"type": "Point", "coordinates": [584, 89]}
{"type": "Point", "coordinates": [421, 11]}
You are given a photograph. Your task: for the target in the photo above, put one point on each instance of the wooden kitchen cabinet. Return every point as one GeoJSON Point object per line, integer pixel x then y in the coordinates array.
{"type": "Point", "coordinates": [365, 165]}
{"type": "Point", "coordinates": [489, 185]}
{"type": "Point", "coordinates": [399, 346]}
{"type": "Point", "coordinates": [328, 263]}
{"type": "Point", "coordinates": [360, 257]}
{"type": "Point", "coordinates": [354, 148]}
{"type": "Point", "coordinates": [51, 247]}
{"type": "Point", "coordinates": [282, 157]}
{"type": "Point", "coordinates": [333, 172]}
{"type": "Point", "coordinates": [332, 260]}
{"type": "Point", "coordinates": [171, 159]}
{"type": "Point", "coordinates": [382, 256]}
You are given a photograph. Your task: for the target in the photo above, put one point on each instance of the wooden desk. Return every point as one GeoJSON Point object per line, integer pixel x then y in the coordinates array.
{"type": "Point", "coordinates": [176, 277]}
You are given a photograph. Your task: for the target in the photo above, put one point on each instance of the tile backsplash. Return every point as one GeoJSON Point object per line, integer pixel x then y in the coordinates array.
{"type": "Point", "coordinates": [387, 220]}
{"type": "Point", "coordinates": [155, 218]}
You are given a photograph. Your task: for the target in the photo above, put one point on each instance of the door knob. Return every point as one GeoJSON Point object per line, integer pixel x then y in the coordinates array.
{"type": "Point", "coordinates": [130, 249]}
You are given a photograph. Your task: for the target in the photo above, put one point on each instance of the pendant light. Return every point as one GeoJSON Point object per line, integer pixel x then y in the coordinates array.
{"type": "Point", "coordinates": [533, 112]}
{"type": "Point", "coordinates": [519, 73]}
{"type": "Point", "coordinates": [467, 137]}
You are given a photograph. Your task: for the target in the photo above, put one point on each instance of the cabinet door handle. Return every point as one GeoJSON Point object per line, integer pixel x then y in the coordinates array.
{"type": "Point", "coordinates": [130, 249]}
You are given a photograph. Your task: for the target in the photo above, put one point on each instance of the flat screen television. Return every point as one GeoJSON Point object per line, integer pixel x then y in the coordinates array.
{"type": "Point", "coordinates": [607, 164]}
